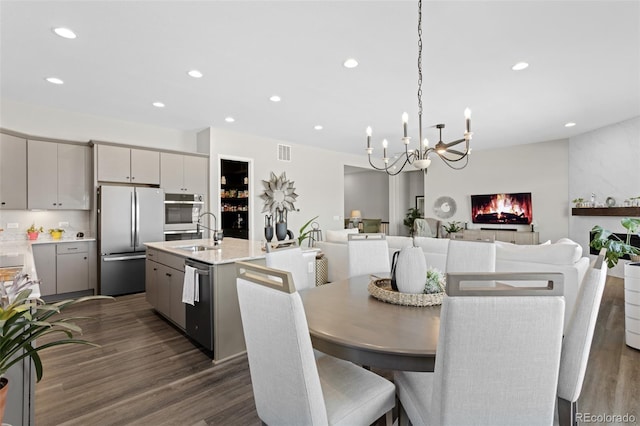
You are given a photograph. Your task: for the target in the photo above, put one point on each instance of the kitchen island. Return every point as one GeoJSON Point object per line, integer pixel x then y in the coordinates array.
{"type": "Point", "coordinates": [213, 322]}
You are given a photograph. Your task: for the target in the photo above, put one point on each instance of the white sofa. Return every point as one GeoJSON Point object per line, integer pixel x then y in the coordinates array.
{"type": "Point", "coordinates": [564, 256]}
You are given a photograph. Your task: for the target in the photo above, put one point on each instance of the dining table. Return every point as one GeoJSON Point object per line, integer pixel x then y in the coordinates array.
{"type": "Point", "coordinates": [347, 322]}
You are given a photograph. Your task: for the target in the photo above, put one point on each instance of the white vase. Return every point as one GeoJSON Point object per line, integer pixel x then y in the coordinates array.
{"type": "Point", "coordinates": [411, 270]}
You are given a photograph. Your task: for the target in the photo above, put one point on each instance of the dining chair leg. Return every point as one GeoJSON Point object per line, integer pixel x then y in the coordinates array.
{"type": "Point", "coordinates": [403, 419]}
{"type": "Point", "coordinates": [567, 413]}
{"type": "Point", "coordinates": [389, 418]}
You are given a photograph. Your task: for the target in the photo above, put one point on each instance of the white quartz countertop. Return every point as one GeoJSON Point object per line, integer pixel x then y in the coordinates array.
{"type": "Point", "coordinates": [230, 250]}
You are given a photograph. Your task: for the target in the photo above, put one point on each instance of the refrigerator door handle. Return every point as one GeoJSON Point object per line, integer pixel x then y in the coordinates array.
{"type": "Point", "coordinates": [121, 258]}
{"type": "Point", "coordinates": [133, 219]}
{"type": "Point", "coordinates": [136, 241]}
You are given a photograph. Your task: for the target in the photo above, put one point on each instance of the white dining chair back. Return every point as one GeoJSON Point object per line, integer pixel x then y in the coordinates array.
{"type": "Point", "coordinates": [577, 341]}
{"type": "Point", "coordinates": [471, 256]}
{"type": "Point", "coordinates": [292, 259]}
{"type": "Point", "coordinates": [497, 357]}
{"type": "Point", "coordinates": [290, 386]}
{"type": "Point", "coordinates": [368, 254]}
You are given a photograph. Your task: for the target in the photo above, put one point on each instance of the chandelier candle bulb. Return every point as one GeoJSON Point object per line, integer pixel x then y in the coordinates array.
{"type": "Point", "coordinates": [405, 120]}
{"type": "Point", "coordinates": [384, 145]}
{"type": "Point", "coordinates": [368, 137]}
{"type": "Point", "coordinates": [467, 116]}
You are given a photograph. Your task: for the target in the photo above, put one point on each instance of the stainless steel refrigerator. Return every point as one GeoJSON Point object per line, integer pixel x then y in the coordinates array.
{"type": "Point", "coordinates": [128, 217]}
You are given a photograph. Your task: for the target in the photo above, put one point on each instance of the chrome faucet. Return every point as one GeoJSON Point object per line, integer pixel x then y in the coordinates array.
{"type": "Point", "coordinates": [216, 235]}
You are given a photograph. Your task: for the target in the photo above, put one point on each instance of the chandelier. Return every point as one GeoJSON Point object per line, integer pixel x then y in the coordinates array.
{"type": "Point", "coordinates": [420, 157]}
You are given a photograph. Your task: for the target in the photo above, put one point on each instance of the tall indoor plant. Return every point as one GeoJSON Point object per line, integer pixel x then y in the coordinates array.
{"type": "Point", "coordinates": [411, 216]}
{"type": "Point", "coordinates": [23, 320]}
{"type": "Point", "coordinates": [616, 247]}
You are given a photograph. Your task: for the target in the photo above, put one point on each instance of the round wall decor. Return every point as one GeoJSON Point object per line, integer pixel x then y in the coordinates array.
{"type": "Point", "coordinates": [444, 207]}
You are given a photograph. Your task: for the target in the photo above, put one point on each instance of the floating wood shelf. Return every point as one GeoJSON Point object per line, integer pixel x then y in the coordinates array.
{"type": "Point", "coordinates": [605, 211]}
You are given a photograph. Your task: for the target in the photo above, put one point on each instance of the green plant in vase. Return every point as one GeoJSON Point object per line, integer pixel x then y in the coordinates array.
{"type": "Point", "coordinates": [616, 247]}
{"type": "Point", "coordinates": [411, 216]}
{"type": "Point", "coordinates": [24, 320]}
{"type": "Point", "coordinates": [453, 227]}
{"type": "Point", "coordinates": [33, 231]}
{"type": "Point", "coordinates": [305, 234]}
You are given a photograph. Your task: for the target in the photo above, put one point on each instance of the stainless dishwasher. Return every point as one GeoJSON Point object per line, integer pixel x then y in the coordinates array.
{"type": "Point", "coordinates": [199, 318]}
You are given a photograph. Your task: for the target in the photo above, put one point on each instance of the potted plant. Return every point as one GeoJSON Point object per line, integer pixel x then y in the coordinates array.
{"type": "Point", "coordinates": [305, 234]}
{"type": "Point", "coordinates": [23, 320]}
{"type": "Point", "coordinates": [33, 231]}
{"type": "Point", "coordinates": [452, 227]}
{"type": "Point", "coordinates": [56, 233]}
{"type": "Point", "coordinates": [616, 247]}
{"type": "Point", "coordinates": [578, 201]}
{"type": "Point", "coordinates": [411, 216]}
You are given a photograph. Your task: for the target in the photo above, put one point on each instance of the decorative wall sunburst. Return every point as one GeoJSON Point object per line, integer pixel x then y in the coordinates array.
{"type": "Point", "coordinates": [279, 193]}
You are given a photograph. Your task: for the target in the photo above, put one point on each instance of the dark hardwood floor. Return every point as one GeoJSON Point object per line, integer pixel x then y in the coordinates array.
{"type": "Point", "coordinates": [147, 373]}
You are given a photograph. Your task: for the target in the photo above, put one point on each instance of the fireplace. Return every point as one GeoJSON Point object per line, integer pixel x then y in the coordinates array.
{"type": "Point", "coordinates": [635, 241]}
{"type": "Point", "coordinates": [509, 209]}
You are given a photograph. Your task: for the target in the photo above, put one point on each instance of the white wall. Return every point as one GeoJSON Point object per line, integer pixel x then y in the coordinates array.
{"type": "Point", "coordinates": [41, 121]}
{"type": "Point", "coordinates": [540, 168]}
{"type": "Point", "coordinates": [605, 162]}
{"type": "Point", "coordinates": [318, 176]}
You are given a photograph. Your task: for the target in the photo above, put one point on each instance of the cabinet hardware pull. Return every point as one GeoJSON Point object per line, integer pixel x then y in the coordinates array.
{"type": "Point", "coordinates": [167, 274]}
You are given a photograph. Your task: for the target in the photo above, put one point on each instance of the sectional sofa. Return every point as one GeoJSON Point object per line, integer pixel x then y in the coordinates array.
{"type": "Point", "coordinates": [564, 256]}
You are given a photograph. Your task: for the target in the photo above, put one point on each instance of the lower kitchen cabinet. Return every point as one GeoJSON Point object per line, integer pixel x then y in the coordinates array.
{"type": "Point", "coordinates": [163, 285]}
{"type": "Point", "coordinates": [65, 267]}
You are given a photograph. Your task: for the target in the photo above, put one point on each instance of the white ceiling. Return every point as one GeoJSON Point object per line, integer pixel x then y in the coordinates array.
{"type": "Point", "coordinates": [584, 65]}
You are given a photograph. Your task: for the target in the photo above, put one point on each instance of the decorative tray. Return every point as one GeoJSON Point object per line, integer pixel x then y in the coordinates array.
{"type": "Point", "coordinates": [381, 290]}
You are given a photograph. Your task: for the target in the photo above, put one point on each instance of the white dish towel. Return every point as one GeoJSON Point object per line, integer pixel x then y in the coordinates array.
{"type": "Point", "coordinates": [190, 287]}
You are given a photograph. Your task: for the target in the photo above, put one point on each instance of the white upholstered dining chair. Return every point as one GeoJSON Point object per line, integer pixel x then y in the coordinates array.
{"type": "Point", "coordinates": [290, 386]}
{"type": "Point", "coordinates": [577, 341]}
{"type": "Point", "coordinates": [497, 357]}
{"type": "Point", "coordinates": [471, 256]}
{"type": "Point", "coordinates": [293, 260]}
{"type": "Point", "coordinates": [368, 253]}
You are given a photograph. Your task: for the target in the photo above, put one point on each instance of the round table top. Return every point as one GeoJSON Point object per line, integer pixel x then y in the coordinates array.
{"type": "Point", "coordinates": [347, 322]}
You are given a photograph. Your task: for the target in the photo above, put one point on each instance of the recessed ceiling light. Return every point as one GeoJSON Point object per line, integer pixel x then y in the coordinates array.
{"type": "Point", "coordinates": [350, 63]}
{"type": "Point", "coordinates": [520, 66]}
{"type": "Point", "coordinates": [570, 124]}
{"type": "Point", "coordinates": [318, 127]}
{"type": "Point", "coordinates": [158, 104]}
{"type": "Point", "coordinates": [54, 80]}
{"type": "Point", "coordinates": [65, 32]}
{"type": "Point", "coordinates": [229, 119]}
{"type": "Point", "coordinates": [195, 74]}
{"type": "Point", "coordinates": [275, 98]}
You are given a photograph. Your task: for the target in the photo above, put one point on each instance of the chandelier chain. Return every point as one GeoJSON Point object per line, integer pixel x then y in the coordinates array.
{"type": "Point", "coordinates": [420, 57]}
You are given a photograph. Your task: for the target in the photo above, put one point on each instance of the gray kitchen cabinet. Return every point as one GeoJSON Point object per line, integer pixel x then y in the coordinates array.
{"type": "Point", "coordinates": [58, 176]}
{"type": "Point", "coordinates": [64, 267]}
{"type": "Point", "coordinates": [151, 278]}
{"type": "Point", "coordinates": [13, 172]}
{"type": "Point", "coordinates": [72, 267]}
{"type": "Point", "coordinates": [44, 257]}
{"type": "Point", "coordinates": [183, 173]}
{"type": "Point", "coordinates": [128, 165]}
{"type": "Point", "coordinates": [164, 278]}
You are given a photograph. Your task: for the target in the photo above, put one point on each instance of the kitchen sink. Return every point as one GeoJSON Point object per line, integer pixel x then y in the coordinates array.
{"type": "Point", "coordinates": [196, 248]}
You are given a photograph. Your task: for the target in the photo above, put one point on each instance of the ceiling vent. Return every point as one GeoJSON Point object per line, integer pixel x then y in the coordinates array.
{"type": "Point", "coordinates": [284, 152]}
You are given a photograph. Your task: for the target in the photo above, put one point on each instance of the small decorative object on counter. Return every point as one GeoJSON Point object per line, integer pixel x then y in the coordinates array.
{"type": "Point", "coordinates": [268, 227]}
{"type": "Point", "coordinates": [56, 233]}
{"type": "Point", "coordinates": [33, 231]}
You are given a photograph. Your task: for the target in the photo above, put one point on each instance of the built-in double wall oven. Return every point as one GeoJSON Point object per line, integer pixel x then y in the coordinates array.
{"type": "Point", "coordinates": [181, 213]}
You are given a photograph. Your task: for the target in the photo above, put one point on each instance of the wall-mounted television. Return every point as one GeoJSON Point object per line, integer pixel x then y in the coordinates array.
{"type": "Point", "coordinates": [502, 209]}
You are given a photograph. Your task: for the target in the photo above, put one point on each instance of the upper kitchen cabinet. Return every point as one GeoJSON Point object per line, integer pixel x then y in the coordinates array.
{"type": "Point", "coordinates": [128, 165]}
{"type": "Point", "coordinates": [13, 172]}
{"type": "Point", "coordinates": [58, 176]}
{"type": "Point", "coordinates": [183, 174]}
